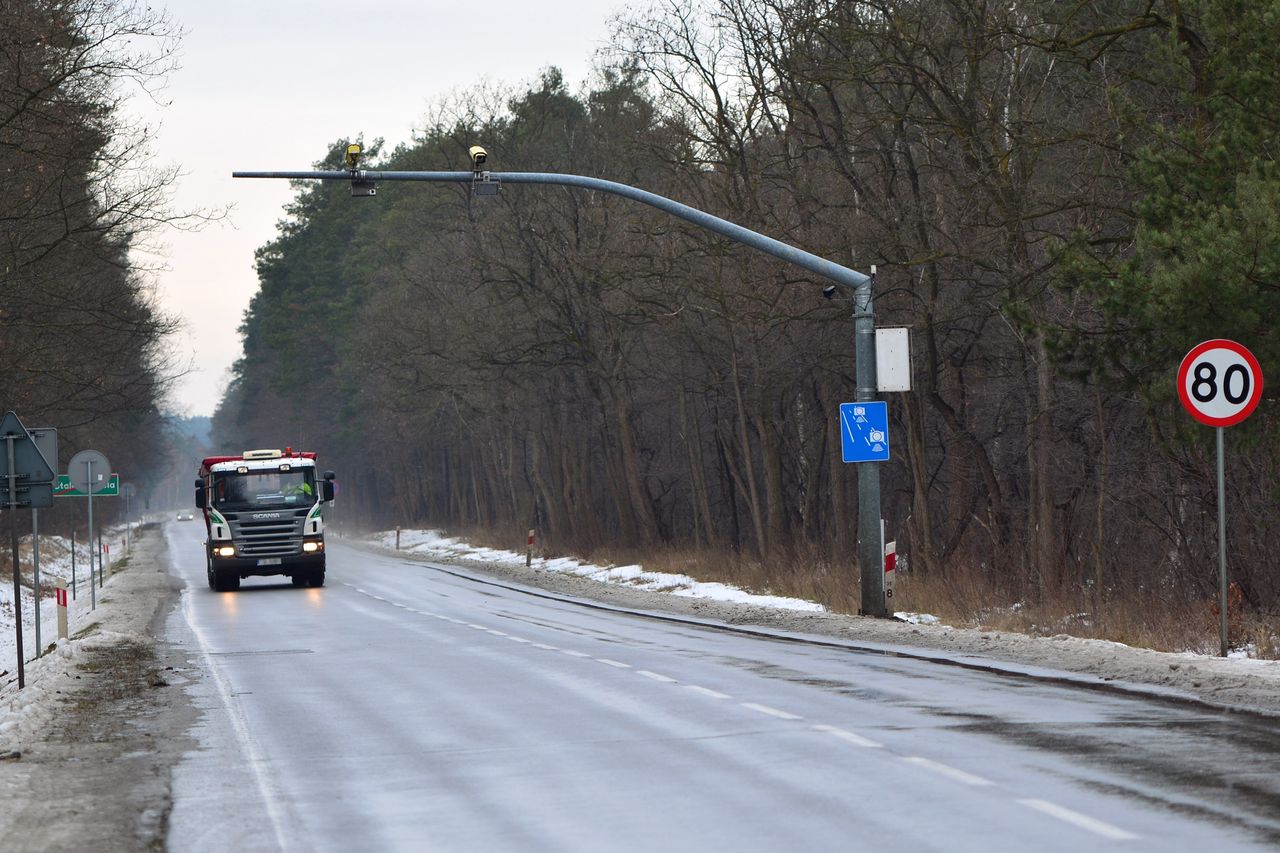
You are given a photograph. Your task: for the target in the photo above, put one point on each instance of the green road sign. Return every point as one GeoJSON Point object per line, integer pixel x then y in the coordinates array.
{"type": "Point", "coordinates": [62, 488]}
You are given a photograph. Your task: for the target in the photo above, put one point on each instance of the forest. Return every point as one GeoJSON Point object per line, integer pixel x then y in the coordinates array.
{"type": "Point", "coordinates": [84, 345]}
{"type": "Point", "coordinates": [1061, 198]}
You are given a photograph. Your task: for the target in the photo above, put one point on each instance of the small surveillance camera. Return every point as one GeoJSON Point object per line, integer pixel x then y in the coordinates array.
{"type": "Point", "coordinates": [478, 156]}
{"type": "Point", "coordinates": [829, 291]}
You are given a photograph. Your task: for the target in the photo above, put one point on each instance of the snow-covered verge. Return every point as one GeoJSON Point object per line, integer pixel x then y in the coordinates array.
{"type": "Point", "coordinates": [87, 745]}
{"type": "Point", "coordinates": [55, 562]}
{"type": "Point", "coordinates": [1237, 682]}
{"type": "Point", "coordinates": [27, 709]}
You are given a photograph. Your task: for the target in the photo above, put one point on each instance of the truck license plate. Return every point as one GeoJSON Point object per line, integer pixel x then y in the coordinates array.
{"type": "Point", "coordinates": [269, 561]}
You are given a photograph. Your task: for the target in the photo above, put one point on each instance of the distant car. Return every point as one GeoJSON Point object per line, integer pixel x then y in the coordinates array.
{"type": "Point", "coordinates": [186, 516]}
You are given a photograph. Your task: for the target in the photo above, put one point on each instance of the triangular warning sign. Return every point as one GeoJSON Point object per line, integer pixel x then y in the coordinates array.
{"type": "Point", "coordinates": [27, 460]}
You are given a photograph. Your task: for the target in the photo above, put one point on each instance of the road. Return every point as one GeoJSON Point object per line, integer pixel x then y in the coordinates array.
{"type": "Point", "coordinates": [411, 707]}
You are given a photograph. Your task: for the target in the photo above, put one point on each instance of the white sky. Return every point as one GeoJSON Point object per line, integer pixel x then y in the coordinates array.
{"type": "Point", "coordinates": [269, 85]}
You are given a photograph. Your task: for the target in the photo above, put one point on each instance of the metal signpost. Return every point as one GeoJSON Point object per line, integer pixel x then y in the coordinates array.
{"type": "Point", "coordinates": [87, 469]}
{"type": "Point", "coordinates": [29, 480]}
{"type": "Point", "coordinates": [46, 439]}
{"type": "Point", "coordinates": [1220, 384]}
{"type": "Point", "coordinates": [486, 183]}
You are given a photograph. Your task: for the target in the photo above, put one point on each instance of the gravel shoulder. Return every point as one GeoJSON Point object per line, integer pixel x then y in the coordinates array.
{"type": "Point", "coordinates": [89, 744]}
{"type": "Point", "coordinates": [1234, 683]}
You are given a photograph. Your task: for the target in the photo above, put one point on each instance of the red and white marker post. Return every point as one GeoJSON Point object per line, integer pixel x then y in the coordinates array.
{"type": "Point", "coordinates": [60, 592]}
{"type": "Point", "coordinates": [1220, 384]}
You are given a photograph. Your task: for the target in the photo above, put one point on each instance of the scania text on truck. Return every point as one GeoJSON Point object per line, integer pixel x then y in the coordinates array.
{"type": "Point", "coordinates": [263, 516]}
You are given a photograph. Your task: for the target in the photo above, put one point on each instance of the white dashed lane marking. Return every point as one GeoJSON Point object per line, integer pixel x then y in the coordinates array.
{"type": "Point", "coordinates": [772, 712]}
{"type": "Point", "coordinates": [706, 691]}
{"type": "Point", "coordinates": [1093, 825]}
{"type": "Point", "coordinates": [848, 737]}
{"type": "Point", "coordinates": [655, 676]}
{"type": "Point", "coordinates": [945, 770]}
{"type": "Point", "coordinates": [614, 663]}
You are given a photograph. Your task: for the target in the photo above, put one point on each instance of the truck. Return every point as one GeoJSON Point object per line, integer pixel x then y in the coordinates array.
{"type": "Point", "coordinates": [263, 515]}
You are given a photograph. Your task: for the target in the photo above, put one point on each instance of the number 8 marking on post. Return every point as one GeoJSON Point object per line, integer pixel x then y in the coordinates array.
{"type": "Point", "coordinates": [1220, 383]}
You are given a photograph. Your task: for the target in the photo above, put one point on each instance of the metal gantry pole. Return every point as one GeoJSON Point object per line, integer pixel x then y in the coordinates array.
{"type": "Point", "coordinates": [870, 558]}
{"type": "Point", "coordinates": [870, 553]}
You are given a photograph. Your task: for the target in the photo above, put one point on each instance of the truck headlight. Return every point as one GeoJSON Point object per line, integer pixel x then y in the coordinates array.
{"type": "Point", "coordinates": [225, 551]}
{"type": "Point", "coordinates": [311, 547]}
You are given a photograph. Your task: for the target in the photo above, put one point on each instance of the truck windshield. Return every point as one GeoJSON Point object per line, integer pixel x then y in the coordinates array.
{"type": "Point", "coordinates": [258, 489]}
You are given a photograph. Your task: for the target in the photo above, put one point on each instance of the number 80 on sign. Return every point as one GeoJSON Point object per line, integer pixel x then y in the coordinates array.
{"type": "Point", "coordinates": [1220, 383]}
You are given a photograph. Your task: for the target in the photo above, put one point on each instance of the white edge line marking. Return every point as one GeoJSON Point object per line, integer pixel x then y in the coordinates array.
{"type": "Point", "coordinates": [850, 737]}
{"type": "Point", "coordinates": [272, 799]}
{"type": "Point", "coordinates": [772, 712]}
{"type": "Point", "coordinates": [516, 639]}
{"type": "Point", "coordinates": [706, 691]}
{"type": "Point", "coordinates": [477, 627]}
{"type": "Point", "coordinates": [545, 646]}
{"type": "Point", "coordinates": [497, 633]}
{"type": "Point", "coordinates": [572, 653]}
{"type": "Point", "coordinates": [655, 676]}
{"type": "Point", "coordinates": [617, 663]}
{"type": "Point", "coordinates": [945, 770]}
{"type": "Point", "coordinates": [1095, 826]}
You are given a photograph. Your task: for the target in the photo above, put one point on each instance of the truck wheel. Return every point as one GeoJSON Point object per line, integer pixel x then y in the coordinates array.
{"type": "Point", "coordinates": [208, 570]}
{"type": "Point", "coordinates": [298, 579]}
{"type": "Point", "coordinates": [316, 577]}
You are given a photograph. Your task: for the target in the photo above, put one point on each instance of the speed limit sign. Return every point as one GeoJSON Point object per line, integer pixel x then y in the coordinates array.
{"type": "Point", "coordinates": [1220, 383]}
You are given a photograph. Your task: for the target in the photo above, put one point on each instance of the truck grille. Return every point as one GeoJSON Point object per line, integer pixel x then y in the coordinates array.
{"type": "Point", "coordinates": [268, 533]}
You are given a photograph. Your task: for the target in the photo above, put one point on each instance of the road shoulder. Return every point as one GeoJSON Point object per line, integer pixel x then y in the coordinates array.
{"type": "Point", "coordinates": [91, 741]}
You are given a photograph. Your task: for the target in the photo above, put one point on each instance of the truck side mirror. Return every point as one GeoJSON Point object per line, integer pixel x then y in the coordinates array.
{"type": "Point", "coordinates": [326, 491]}
{"type": "Point", "coordinates": [200, 496]}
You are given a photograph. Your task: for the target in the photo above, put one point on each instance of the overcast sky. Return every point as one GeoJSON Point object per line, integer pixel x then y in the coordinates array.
{"type": "Point", "coordinates": [269, 85]}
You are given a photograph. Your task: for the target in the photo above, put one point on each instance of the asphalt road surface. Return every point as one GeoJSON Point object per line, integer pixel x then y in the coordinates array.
{"type": "Point", "coordinates": [406, 706]}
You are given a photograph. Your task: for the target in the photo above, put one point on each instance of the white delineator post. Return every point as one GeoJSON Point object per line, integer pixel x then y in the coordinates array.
{"type": "Point", "coordinates": [528, 553]}
{"type": "Point", "coordinates": [890, 565]}
{"type": "Point", "coordinates": [60, 591]}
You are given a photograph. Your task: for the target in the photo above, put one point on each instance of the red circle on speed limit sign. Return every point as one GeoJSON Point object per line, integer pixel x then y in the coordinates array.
{"type": "Point", "coordinates": [1220, 383]}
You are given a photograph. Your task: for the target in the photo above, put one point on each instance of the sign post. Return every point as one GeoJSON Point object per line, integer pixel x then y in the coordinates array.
{"type": "Point", "coordinates": [1220, 384]}
{"type": "Point", "coordinates": [29, 481]}
{"type": "Point", "coordinates": [46, 439]}
{"type": "Point", "coordinates": [86, 469]}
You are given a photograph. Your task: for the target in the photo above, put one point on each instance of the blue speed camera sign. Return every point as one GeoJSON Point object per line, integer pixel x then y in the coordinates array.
{"type": "Point", "coordinates": [864, 432]}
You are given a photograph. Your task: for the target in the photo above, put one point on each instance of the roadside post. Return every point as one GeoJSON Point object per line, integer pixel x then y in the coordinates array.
{"type": "Point", "coordinates": [528, 550]}
{"type": "Point", "coordinates": [60, 590]}
{"type": "Point", "coordinates": [85, 471]}
{"type": "Point", "coordinates": [1220, 384]}
{"type": "Point", "coordinates": [29, 484]}
{"type": "Point", "coordinates": [890, 550]}
{"type": "Point", "coordinates": [46, 439]}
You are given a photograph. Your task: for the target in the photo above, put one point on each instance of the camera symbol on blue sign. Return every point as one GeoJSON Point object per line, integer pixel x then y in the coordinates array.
{"type": "Point", "coordinates": [864, 432]}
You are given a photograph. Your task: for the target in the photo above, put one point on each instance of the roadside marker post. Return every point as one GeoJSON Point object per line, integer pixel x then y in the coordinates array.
{"type": "Point", "coordinates": [528, 552]}
{"type": "Point", "coordinates": [1220, 384]}
{"type": "Point", "coordinates": [60, 590]}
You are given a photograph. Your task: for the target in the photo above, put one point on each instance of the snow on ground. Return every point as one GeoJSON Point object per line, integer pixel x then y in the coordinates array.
{"type": "Point", "coordinates": [431, 543]}
{"type": "Point", "coordinates": [55, 562]}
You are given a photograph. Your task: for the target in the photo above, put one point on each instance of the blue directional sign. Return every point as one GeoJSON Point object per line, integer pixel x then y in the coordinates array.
{"type": "Point", "coordinates": [864, 432]}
